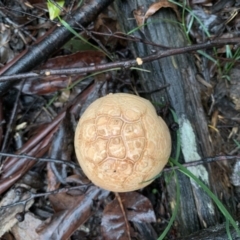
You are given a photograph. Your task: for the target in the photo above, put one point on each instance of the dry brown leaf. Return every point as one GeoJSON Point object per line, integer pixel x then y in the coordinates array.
{"type": "Point", "coordinates": [137, 209]}
{"type": "Point", "coordinates": [139, 15]}
{"type": "Point", "coordinates": [161, 4]}
{"type": "Point", "coordinates": [73, 212]}
{"type": "Point", "coordinates": [26, 229]}
{"type": "Point", "coordinates": [8, 215]}
{"type": "Point", "coordinates": [51, 83]}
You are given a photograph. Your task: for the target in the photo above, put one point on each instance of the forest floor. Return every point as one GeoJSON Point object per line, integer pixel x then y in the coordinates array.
{"type": "Point", "coordinates": [44, 194]}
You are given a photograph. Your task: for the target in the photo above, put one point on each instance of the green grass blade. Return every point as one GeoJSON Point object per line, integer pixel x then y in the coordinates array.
{"type": "Point", "coordinates": [228, 230]}
{"type": "Point", "coordinates": [174, 214]}
{"type": "Point", "coordinates": [210, 194]}
{"type": "Point", "coordinates": [70, 29]}
{"type": "Point", "coordinates": [207, 56]}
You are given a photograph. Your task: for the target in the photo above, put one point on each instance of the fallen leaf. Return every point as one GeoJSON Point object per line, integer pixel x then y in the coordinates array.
{"type": "Point", "coordinates": [158, 5]}
{"type": "Point", "coordinates": [7, 215]}
{"type": "Point", "coordinates": [52, 83]}
{"type": "Point", "coordinates": [139, 15]}
{"type": "Point", "coordinates": [26, 229]}
{"type": "Point", "coordinates": [72, 213]}
{"type": "Point", "coordinates": [137, 209]}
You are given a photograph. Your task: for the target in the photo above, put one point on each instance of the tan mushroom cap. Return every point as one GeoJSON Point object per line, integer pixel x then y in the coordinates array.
{"type": "Point", "coordinates": [121, 143]}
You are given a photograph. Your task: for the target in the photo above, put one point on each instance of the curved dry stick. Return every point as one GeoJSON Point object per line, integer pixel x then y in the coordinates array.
{"type": "Point", "coordinates": [122, 64]}
{"type": "Point", "coordinates": [124, 214]}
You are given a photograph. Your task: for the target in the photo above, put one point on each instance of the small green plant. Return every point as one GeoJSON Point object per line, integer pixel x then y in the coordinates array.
{"type": "Point", "coordinates": [54, 8]}
{"type": "Point", "coordinates": [237, 143]}
{"type": "Point", "coordinates": [233, 57]}
{"type": "Point", "coordinates": [187, 28]}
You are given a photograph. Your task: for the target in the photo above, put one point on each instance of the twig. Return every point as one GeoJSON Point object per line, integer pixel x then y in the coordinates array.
{"type": "Point", "coordinates": [67, 189]}
{"type": "Point", "coordinates": [37, 195]}
{"type": "Point", "coordinates": [124, 64]}
{"type": "Point", "coordinates": [204, 161]}
{"type": "Point", "coordinates": [167, 169]}
{"type": "Point", "coordinates": [70, 164]}
{"type": "Point", "coordinates": [11, 121]}
{"type": "Point", "coordinates": [123, 213]}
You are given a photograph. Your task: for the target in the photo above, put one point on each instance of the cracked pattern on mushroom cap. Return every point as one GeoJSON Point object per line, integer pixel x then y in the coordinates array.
{"type": "Point", "coordinates": [120, 142]}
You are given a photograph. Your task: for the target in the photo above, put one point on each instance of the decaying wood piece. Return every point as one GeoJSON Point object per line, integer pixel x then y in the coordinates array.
{"type": "Point", "coordinates": [196, 208]}
{"type": "Point", "coordinates": [216, 232]}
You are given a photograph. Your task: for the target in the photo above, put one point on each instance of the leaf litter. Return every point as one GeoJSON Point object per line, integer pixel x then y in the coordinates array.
{"type": "Point", "coordinates": [88, 210]}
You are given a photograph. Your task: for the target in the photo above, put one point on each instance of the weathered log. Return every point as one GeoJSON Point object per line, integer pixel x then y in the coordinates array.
{"type": "Point", "coordinates": [196, 208]}
{"type": "Point", "coordinates": [217, 232]}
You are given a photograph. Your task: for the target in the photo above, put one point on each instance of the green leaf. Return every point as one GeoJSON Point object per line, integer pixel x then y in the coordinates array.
{"type": "Point", "coordinates": [54, 9]}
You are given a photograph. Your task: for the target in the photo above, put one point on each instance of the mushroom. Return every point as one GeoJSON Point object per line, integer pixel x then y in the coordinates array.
{"type": "Point", "coordinates": [121, 143]}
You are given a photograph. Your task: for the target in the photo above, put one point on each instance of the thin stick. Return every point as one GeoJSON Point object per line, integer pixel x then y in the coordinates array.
{"type": "Point", "coordinates": [124, 214]}
{"type": "Point", "coordinates": [125, 64]}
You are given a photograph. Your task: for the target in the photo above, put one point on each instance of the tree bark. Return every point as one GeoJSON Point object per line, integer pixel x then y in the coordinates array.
{"type": "Point", "coordinates": [196, 208]}
{"type": "Point", "coordinates": [217, 232]}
